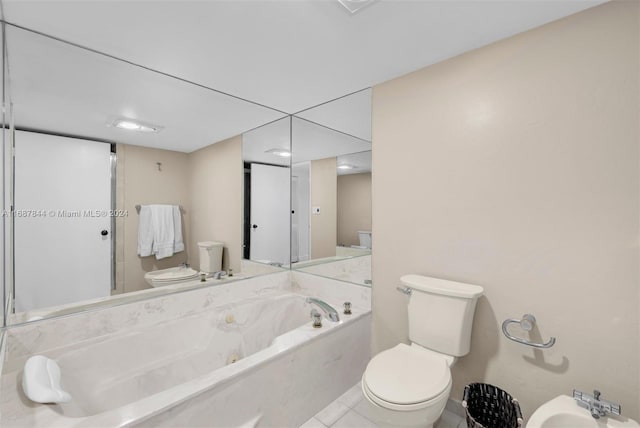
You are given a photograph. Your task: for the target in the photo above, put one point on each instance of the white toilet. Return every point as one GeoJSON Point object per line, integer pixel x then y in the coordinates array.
{"type": "Point", "coordinates": [408, 386]}
{"type": "Point", "coordinates": [210, 256]}
{"type": "Point", "coordinates": [365, 240]}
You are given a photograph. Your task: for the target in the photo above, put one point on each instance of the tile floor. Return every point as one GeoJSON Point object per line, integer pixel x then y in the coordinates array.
{"type": "Point", "coordinates": [349, 411]}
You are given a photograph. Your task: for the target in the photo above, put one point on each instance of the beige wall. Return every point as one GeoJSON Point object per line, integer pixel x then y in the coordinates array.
{"type": "Point", "coordinates": [515, 167]}
{"type": "Point", "coordinates": [215, 183]}
{"type": "Point", "coordinates": [141, 183]}
{"type": "Point", "coordinates": [207, 183]}
{"type": "Point", "coordinates": [354, 207]}
{"type": "Point", "coordinates": [323, 185]}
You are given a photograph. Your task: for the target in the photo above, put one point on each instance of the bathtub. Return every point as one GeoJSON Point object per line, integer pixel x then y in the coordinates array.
{"type": "Point", "coordinates": [256, 362]}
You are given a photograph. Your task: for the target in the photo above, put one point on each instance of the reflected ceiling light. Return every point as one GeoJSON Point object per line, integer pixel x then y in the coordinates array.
{"type": "Point", "coordinates": [134, 125]}
{"type": "Point", "coordinates": [355, 5]}
{"type": "Point", "coordinates": [346, 167]}
{"type": "Point", "coordinates": [285, 153]}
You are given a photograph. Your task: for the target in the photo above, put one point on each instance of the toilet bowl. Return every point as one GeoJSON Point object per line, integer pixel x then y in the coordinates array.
{"type": "Point", "coordinates": [408, 386]}
{"type": "Point", "coordinates": [174, 275]}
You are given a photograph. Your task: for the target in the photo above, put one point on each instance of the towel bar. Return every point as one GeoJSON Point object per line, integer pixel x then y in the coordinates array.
{"type": "Point", "coordinates": [140, 206]}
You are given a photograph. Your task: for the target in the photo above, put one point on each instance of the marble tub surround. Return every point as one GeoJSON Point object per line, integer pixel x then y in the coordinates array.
{"type": "Point", "coordinates": [156, 359]}
{"type": "Point", "coordinates": [331, 290]}
{"type": "Point", "coordinates": [286, 391]}
{"type": "Point", "coordinates": [41, 336]}
{"type": "Point", "coordinates": [248, 269]}
{"type": "Point", "coordinates": [350, 251]}
{"type": "Point", "coordinates": [3, 348]}
{"type": "Point", "coordinates": [351, 269]}
{"type": "Point", "coordinates": [252, 268]}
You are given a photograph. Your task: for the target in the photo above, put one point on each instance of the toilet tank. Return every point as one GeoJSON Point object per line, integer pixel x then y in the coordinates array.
{"type": "Point", "coordinates": [365, 238]}
{"type": "Point", "coordinates": [441, 313]}
{"type": "Point", "coordinates": [210, 256]}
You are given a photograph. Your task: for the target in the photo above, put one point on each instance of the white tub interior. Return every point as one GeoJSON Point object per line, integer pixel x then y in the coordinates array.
{"type": "Point", "coordinates": [173, 352]}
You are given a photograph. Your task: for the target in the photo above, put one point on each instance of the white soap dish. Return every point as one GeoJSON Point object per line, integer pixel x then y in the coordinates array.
{"type": "Point", "coordinates": [41, 381]}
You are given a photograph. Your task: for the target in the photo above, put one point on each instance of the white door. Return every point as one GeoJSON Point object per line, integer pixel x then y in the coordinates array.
{"type": "Point", "coordinates": [270, 205]}
{"type": "Point", "coordinates": [62, 222]}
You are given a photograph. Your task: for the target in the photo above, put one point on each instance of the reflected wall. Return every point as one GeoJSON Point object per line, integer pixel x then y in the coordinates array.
{"type": "Point", "coordinates": [331, 189]}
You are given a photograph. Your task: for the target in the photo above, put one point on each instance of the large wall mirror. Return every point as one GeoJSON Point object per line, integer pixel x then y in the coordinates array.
{"type": "Point", "coordinates": [126, 183]}
{"type": "Point", "coordinates": [124, 175]}
{"type": "Point", "coordinates": [331, 189]}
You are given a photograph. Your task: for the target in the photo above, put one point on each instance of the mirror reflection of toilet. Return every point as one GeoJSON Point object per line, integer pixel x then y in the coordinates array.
{"type": "Point", "coordinates": [210, 253]}
{"type": "Point", "coordinates": [365, 240]}
{"type": "Point", "coordinates": [408, 386]}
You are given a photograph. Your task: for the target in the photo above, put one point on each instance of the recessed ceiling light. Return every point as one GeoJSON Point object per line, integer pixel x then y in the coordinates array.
{"type": "Point", "coordinates": [285, 153]}
{"type": "Point", "coordinates": [355, 5]}
{"type": "Point", "coordinates": [134, 125]}
{"type": "Point", "coordinates": [346, 167]}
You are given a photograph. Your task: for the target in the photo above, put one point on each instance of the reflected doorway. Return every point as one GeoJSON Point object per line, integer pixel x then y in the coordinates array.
{"type": "Point", "coordinates": [269, 207]}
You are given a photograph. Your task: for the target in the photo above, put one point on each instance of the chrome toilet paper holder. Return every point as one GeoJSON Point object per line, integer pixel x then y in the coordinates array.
{"type": "Point", "coordinates": [527, 322]}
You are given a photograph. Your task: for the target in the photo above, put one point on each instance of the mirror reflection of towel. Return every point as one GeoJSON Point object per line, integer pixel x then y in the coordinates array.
{"type": "Point", "coordinates": [160, 231]}
{"type": "Point", "coordinates": [145, 232]}
{"type": "Point", "coordinates": [178, 244]}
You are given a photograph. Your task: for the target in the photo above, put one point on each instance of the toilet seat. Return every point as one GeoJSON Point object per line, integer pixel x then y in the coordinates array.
{"type": "Point", "coordinates": [406, 378]}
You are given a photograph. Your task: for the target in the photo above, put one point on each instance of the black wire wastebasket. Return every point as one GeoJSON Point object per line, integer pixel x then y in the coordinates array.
{"type": "Point", "coordinates": [488, 406]}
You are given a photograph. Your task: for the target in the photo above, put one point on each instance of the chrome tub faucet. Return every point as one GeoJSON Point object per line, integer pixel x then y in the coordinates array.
{"type": "Point", "coordinates": [328, 310]}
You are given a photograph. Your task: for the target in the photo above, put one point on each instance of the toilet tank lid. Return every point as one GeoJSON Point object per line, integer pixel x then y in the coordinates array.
{"type": "Point", "coordinates": [210, 244]}
{"type": "Point", "coordinates": [442, 286]}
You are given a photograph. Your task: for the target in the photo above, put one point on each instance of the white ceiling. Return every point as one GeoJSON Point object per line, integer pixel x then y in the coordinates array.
{"type": "Point", "coordinates": [361, 162]}
{"type": "Point", "coordinates": [276, 135]}
{"type": "Point", "coordinates": [61, 89]}
{"type": "Point", "coordinates": [286, 54]}
{"type": "Point", "coordinates": [350, 114]}
{"type": "Point", "coordinates": [309, 142]}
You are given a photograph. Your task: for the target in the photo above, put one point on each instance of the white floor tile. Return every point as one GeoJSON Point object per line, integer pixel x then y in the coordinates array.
{"type": "Point", "coordinates": [363, 409]}
{"type": "Point", "coordinates": [353, 420]}
{"type": "Point", "coordinates": [330, 414]}
{"type": "Point", "coordinates": [350, 410]}
{"type": "Point", "coordinates": [448, 420]}
{"type": "Point", "coordinates": [313, 423]}
{"type": "Point", "coordinates": [352, 397]}
{"type": "Point", "coordinates": [456, 408]}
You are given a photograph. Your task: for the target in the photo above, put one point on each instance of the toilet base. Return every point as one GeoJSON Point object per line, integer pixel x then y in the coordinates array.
{"type": "Point", "coordinates": [421, 418]}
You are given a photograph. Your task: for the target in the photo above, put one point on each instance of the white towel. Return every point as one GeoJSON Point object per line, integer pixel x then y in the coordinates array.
{"type": "Point", "coordinates": [177, 230]}
{"type": "Point", "coordinates": [145, 232]}
{"type": "Point", "coordinates": [163, 230]}
{"type": "Point", "coordinates": [160, 231]}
